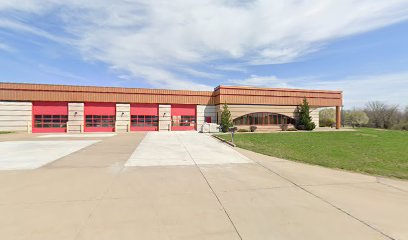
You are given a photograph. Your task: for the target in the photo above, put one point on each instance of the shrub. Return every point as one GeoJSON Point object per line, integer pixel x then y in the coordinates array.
{"type": "Point", "coordinates": [401, 126]}
{"type": "Point", "coordinates": [291, 129]}
{"type": "Point", "coordinates": [327, 117]}
{"type": "Point", "coordinates": [284, 126]}
{"type": "Point", "coordinates": [326, 123]}
{"type": "Point", "coordinates": [243, 130]}
{"type": "Point", "coordinates": [305, 121]}
{"type": "Point", "coordinates": [253, 128]}
{"type": "Point", "coordinates": [300, 127]}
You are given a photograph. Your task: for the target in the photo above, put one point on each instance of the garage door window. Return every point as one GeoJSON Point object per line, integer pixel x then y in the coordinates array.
{"type": "Point", "coordinates": [184, 121]}
{"type": "Point", "coordinates": [100, 121]}
{"type": "Point", "coordinates": [50, 121]}
{"type": "Point", "coordinates": [144, 120]}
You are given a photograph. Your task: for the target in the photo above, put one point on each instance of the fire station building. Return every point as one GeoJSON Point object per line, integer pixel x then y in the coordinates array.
{"type": "Point", "coordinates": [42, 108]}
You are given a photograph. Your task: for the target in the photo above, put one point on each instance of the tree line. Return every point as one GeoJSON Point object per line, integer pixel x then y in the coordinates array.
{"type": "Point", "coordinates": [375, 114]}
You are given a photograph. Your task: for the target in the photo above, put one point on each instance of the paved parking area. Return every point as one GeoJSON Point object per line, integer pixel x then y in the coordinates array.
{"type": "Point", "coordinates": [18, 155]}
{"type": "Point", "coordinates": [91, 194]}
{"type": "Point", "coordinates": [77, 135]}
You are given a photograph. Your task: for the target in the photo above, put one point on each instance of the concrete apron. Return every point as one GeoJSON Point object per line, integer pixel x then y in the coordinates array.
{"type": "Point", "coordinates": [89, 194]}
{"type": "Point", "coordinates": [183, 148]}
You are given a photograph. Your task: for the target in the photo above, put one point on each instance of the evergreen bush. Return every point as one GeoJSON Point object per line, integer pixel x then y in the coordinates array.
{"type": "Point", "coordinates": [304, 119]}
{"type": "Point", "coordinates": [226, 122]}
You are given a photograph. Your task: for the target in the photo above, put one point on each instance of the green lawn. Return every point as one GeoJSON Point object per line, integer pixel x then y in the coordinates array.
{"type": "Point", "coordinates": [2, 132]}
{"type": "Point", "coordinates": [378, 152]}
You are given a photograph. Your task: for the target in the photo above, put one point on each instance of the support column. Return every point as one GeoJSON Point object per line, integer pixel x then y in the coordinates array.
{"type": "Point", "coordinates": [122, 123]}
{"type": "Point", "coordinates": [204, 111]}
{"type": "Point", "coordinates": [314, 113]}
{"type": "Point", "coordinates": [164, 117]}
{"type": "Point", "coordinates": [338, 117]}
{"type": "Point", "coordinates": [75, 118]}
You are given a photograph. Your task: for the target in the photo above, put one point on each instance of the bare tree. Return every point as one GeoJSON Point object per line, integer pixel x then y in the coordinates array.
{"type": "Point", "coordinates": [381, 115]}
{"type": "Point", "coordinates": [405, 116]}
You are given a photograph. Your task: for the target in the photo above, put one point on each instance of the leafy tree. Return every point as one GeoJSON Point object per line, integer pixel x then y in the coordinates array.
{"type": "Point", "coordinates": [305, 120]}
{"type": "Point", "coordinates": [355, 118]}
{"type": "Point", "coordinates": [327, 117]}
{"type": "Point", "coordinates": [225, 118]}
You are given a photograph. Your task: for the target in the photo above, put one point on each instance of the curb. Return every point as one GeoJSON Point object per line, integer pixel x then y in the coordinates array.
{"type": "Point", "coordinates": [223, 140]}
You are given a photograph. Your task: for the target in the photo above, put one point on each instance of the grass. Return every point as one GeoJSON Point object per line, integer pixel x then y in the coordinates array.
{"type": "Point", "coordinates": [3, 132]}
{"type": "Point", "coordinates": [377, 152]}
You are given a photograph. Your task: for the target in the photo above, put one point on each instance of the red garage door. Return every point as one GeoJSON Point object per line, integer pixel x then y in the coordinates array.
{"type": "Point", "coordinates": [50, 117]}
{"type": "Point", "coordinates": [144, 117]}
{"type": "Point", "coordinates": [100, 117]}
{"type": "Point", "coordinates": [183, 117]}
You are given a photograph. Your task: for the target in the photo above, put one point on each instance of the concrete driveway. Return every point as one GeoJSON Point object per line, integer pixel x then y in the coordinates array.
{"type": "Point", "coordinates": [183, 148]}
{"type": "Point", "coordinates": [108, 191]}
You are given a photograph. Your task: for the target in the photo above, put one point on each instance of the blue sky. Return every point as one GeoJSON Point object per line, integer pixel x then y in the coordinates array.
{"type": "Point", "coordinates": [359, 47]}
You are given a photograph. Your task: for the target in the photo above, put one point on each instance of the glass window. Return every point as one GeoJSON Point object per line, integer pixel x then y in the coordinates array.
{"type": "Point", "coordinates": [100, 120]}
{"type": "Point", "coordinates": [250, 118]}
{"type": "Point", "coordinates": [50, 121]}
{"type": "Point", "coordinates": [263, 118]}
{"type": "Point", "coordinates": [148, 121]}
{"type": "Point", "coordinates": [183, 120]}
{"type": "Point", "coordinates": [144, 120]}
{"type": "Point", "coordinates": [244, 120]}
{"type": "Point", "coordinates": [259, 116]}
{"type": "Point", "coordinates": [155, 121]}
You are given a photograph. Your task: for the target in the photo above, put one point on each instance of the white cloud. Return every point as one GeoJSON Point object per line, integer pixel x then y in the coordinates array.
{"type": "Point", "coordinates": [357, 90]}
{"type": "Point", "coordinates": [261, 81]}
{"type": "Point", "coordinates": [6, 48]}
{"type": "Point", "coordinates": [231, 68]}
{"type": "Point", "coordinates": [21, 27]}
{"type": "Point", "coordinates": [155, 39]}
{"type": "Point", "coordinates": [200, 74]}
{"type": "Point", "coordinates": [61, 73]}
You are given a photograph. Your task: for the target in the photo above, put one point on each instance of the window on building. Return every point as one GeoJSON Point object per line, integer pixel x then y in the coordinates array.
{"type": "Point", "coordinates": [263, 118]}
{"type": "Point", "coordinates": [100, 120]}
{"type": "Point", "coordinates": [50, 121]}
{"type": "Point", "coordinates": [144, 120]}
{"type": "Point", "coordinates": [183, 120]}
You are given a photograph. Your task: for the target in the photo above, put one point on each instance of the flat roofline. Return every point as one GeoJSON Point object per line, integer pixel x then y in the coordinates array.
{"type": "Point", "coordinates": [177, 90]}
{"type": "Point", "coordinates": [230, 94]}
{"type": "Point", "coordinates": [102, 87]}
{"type": "Point", "coordinates": [276, 89]}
